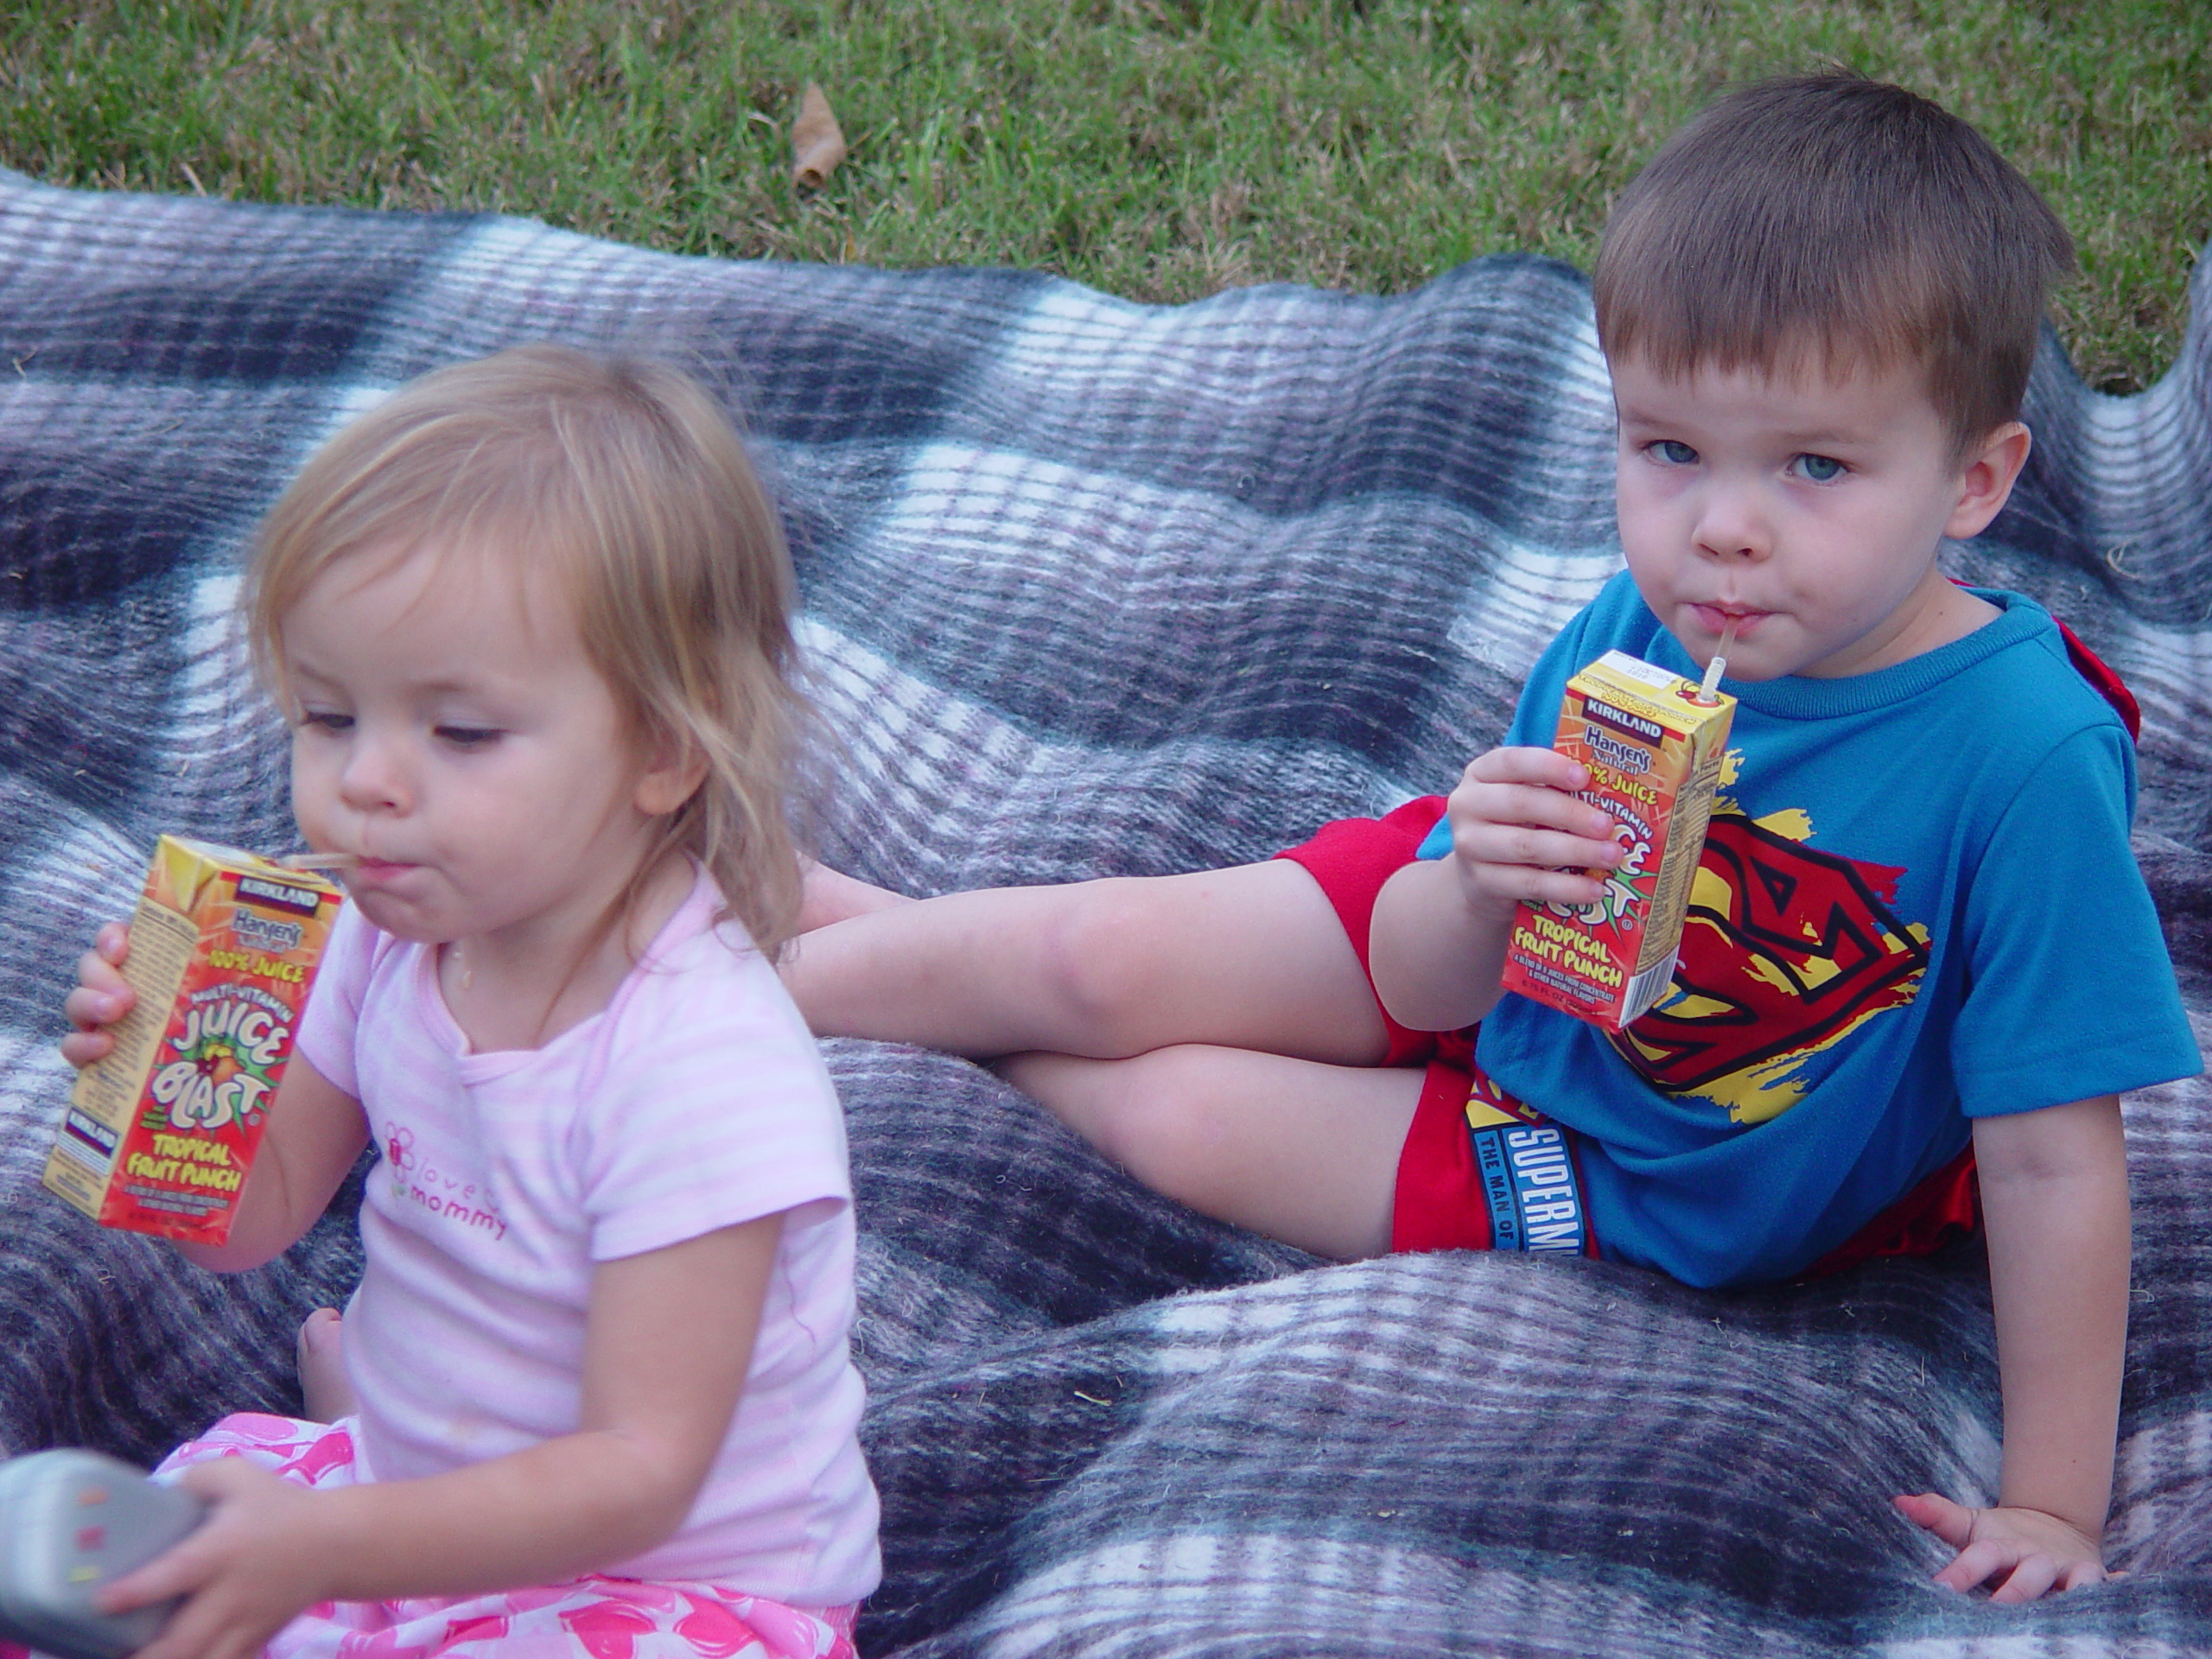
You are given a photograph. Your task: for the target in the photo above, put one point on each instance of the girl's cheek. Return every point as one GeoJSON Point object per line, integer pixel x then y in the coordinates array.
{"type": "Point", "coordinates": [313, 790]}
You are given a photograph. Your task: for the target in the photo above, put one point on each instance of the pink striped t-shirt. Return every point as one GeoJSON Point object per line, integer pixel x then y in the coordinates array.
{"type": "Point", "coordinates": [696, 1100]}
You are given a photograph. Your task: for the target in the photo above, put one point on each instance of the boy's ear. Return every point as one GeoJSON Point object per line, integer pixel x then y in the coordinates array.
{"type": "Point", "coordinates": [1987, 479]}
{"type": "Point", "coordinates": [677, 769]}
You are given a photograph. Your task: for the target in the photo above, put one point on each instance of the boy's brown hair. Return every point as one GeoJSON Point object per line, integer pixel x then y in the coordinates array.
{"type": "Point", "coordinates": [1841, 220]}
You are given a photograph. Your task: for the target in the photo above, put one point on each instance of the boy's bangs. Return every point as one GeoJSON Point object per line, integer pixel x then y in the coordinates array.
{"type": "Point", "coordinates": [1736, 310]}
{"type": "Point", "coordinates": [1833, 221]}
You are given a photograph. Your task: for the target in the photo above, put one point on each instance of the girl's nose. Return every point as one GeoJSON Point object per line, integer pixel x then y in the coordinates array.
{"type": "Point", "coordinates": [373, 780]}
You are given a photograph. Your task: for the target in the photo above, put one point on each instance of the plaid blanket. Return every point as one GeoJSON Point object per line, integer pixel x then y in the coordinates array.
{"type": "Point", "coordinates": [1097, 587]}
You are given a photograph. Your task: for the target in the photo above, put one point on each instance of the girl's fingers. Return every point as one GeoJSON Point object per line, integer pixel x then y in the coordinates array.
{"type": "Point", "coordinates": [102, 997]}
{"type": "Point", "coordinates": [82, 1048]}
{"type": "Point", "coordinates": [90, 1006]}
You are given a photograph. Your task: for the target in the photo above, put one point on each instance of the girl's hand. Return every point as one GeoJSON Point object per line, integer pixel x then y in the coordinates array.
{"type": "Point", "coordinates": [102, 997]}
{"type": "Point", "coordinates": [1519, 832]}
{"type": "Point", "coordinates": [252, 1567]}
{"type": "Point", "coordinates": [2032, 1551]}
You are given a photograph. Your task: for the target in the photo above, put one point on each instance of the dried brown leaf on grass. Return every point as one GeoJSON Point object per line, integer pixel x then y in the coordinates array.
{"type": "Point", "coordinates": [818, 142]}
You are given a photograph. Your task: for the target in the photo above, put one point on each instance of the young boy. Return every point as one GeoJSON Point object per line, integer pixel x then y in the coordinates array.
{"type": "Point", "coordinates": [1918, 942]}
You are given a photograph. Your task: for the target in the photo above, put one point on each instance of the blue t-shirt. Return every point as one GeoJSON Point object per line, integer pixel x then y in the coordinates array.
{"type": "Point", "coordinates": [1917, 907]}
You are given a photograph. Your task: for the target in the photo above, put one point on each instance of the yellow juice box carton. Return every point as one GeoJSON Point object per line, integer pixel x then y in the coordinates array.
{"type": "Point", "coordinates": [1653, 750]}
{"type": "Point", "coordinates": [159, 1135]}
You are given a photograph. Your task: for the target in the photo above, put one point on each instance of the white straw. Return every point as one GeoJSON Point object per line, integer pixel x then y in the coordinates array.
{"type": "Point", "coordinates": [321, 861]}
{"type": "Point", "coordinates": [1718, 666]}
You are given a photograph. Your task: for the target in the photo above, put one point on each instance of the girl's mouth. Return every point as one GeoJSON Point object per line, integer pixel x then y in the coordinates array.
{"type": "Point", "coordinates": [373, 870]}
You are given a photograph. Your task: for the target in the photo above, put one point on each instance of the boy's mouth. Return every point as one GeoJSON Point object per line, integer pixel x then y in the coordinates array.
{"type": "Point", "coordinates": [1716, 619]}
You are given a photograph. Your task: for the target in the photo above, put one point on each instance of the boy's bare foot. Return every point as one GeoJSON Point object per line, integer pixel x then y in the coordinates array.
{"type": "Point", "coordinates": [323, 1387]}
{"type": "Point", "coordinates": [831, 896]}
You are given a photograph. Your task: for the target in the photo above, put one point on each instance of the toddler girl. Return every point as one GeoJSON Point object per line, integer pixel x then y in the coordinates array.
{"type": "Point", "coordinates": [528, 620]}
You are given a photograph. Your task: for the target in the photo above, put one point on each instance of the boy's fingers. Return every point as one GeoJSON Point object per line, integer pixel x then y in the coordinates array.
{"type": "Point", "coordinates": [1952, 1523]}
{"type": "Point", "coordinates": [113, 941]}
{"type": "Point", "coordinates": [1541, 849]}
{"type": "Point", "coordinates": [1552, 808]}
{"type": "Point", "coordinates": [1978, 1562]}
{"type": "Point", "coordinates": [2079, 1573]}
{"type": "Point", "coordinates": [1496, 806]}
{"type": "Point", "coordinates": [2034, 1575]}
{"type": "Point", "coordinates": [1528, 766]}
{"type": "Point", "coordinates": [1519, 882]}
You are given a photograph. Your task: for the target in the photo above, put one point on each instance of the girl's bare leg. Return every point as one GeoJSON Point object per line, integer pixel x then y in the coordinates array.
{"type": "Point", "coordinates": [1251, 957]}
{"type": "Point", "coordinates": [1303, 1151]}
{"type": "Point", "coordinates": [324, 1387]}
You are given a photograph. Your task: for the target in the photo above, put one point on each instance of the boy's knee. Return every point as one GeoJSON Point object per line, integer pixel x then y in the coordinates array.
{"type": "Point", "coordinates": [1172, 1121]}
{"type": "Point", "coordinates": [1102, 954]}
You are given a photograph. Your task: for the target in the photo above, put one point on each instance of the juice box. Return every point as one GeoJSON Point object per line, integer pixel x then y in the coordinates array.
{"type": "Point", "coordinates": [1653, 750]}
{"type": "Point", "coordinates": [159, 1135]}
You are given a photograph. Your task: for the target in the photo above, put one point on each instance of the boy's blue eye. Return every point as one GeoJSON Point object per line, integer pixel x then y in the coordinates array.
{"type": "Point", "coordinates": [468, 737]}
{"type": "Point", "coordinates": [1674, 452]}
{"type": "Point", "coordinates": [324, 720]}
{"type": "Point", "coordinates": [1820, 468]}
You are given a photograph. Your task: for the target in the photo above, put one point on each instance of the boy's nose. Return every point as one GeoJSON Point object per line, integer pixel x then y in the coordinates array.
{"type": "Point", "coordinates": [1731, 527]}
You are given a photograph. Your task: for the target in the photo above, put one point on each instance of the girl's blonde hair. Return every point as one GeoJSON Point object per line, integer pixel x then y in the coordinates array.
{"type": "Point", "coordinates": [624, 480]}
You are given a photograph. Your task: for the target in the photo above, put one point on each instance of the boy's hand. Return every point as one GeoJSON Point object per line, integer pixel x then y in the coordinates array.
{"type": "Point", "coordinates": [1519, 832]}
{"type": "Point", "coordinates": [247, 1572]}
{"type": "Point", "coordinates": [2033, 1551]}
{"type": "Point", "coordinates": [102, 997]}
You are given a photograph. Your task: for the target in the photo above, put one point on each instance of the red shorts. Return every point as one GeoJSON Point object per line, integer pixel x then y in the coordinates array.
{"type": "Point", "coordinates": [1482, 1170]}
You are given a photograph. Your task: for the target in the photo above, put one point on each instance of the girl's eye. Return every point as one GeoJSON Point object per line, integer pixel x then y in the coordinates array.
{"type": "Point", "coordinates": [1818, 469]}
{"type": "Point", "coordinates": [1674, 452]}
{"type": "Point", "coordinates": [468, 737]}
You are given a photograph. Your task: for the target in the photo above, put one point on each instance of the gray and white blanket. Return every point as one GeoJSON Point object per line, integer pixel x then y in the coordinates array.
{"type": "Point", "coordinates": [1097, 587]}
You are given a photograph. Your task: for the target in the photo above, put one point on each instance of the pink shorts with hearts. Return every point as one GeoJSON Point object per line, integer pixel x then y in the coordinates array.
{"type": "Point", "coordinates": [590, 1617]}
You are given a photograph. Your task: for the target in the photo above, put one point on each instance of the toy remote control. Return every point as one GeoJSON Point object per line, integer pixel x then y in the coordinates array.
{"type": "Point", "coordinates": [70, 1523]}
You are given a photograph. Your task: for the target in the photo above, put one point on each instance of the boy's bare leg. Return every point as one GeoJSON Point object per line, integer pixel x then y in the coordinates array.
{"type": "Point", "coordinates": [832, 896]}
{"type": "Point", "coordinates": [1214, 1033]}
{"type": "Point", "coordinates": [1251, 957]}
{"type": "Point", "coordinates": [1303, 1151]}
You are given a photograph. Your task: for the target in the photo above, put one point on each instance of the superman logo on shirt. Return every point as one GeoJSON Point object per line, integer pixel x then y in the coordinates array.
{"type": "Point", "coordinates": [1787, 950]}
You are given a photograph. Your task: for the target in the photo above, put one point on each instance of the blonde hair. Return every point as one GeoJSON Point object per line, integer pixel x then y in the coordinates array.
{"type": "Point", "coordinates": [624, 479]}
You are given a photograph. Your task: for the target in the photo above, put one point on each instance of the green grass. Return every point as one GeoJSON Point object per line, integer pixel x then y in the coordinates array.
{"type": "Point", "coordinates": [1158, 148]}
